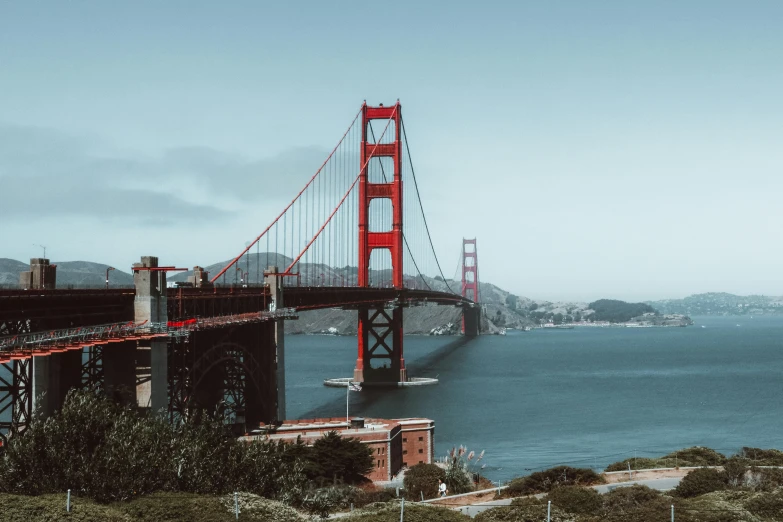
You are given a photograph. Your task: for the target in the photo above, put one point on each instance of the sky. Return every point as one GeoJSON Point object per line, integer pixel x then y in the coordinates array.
{"type": "Point", "coordinates": [617, 149]}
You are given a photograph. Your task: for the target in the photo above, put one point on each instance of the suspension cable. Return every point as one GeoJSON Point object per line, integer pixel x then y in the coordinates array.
{"type": "Point", "coordinates": [418, 196]}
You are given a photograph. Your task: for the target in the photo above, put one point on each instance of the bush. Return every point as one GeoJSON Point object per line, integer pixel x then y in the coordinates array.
{"type": "Point", "coordinates": [390, 512]}
{"type": "Point", "coordinates": [766, 505]}
{"type": "Point", "coordinates": [576, 499]}
{"type": "Point", "coordinates": [762, 457]}
{"type": "Point", "coordinates": [735, 470]}
{"type": "Point", "coordinates": [423, 478]}
{"type": "Point", "coordinates": [637, 503]}
{"type": "Point", "coordinates": [700, 481]}
{"type": "Point", "coordinates": [158, 507]}
{"type": "Point", "coordinates": [109, 453]}
{"type": "Point", "coordinates": [545, 481]}
{"type": "Point", "coordinates": [459, 476]}
{"type": "Point", "coordinates": [527, 512]}
{"type": "Point", "coordinates": [764, 479]}
{"type": "Point", "coordinates": [695, 456]}
{"type": "Point", "coordinates": [629, 498]}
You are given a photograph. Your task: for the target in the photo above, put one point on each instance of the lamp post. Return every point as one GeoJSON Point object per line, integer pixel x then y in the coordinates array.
{"type": "Point", "coordinates": [107, 276]}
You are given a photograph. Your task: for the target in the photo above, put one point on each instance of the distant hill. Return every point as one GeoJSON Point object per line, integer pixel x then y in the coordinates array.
{"type": "Point", "coordinates": [69, 273]}
{"type": "Point", "coordinates": [616, 311]}
{"type": "Point", "coordinates": [721, 303]}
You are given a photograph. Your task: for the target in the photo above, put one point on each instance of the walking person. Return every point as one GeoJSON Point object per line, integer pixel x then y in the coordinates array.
{"type": "Point", "coordinates": [441, 488]}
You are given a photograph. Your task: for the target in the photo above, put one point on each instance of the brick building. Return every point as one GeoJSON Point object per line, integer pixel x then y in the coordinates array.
{"type": "Point", "coordinates": [395, 443]}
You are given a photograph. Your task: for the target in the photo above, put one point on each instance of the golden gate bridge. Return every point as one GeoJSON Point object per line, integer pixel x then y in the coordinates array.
{"type": "Point", "coordinates": [354, 237]}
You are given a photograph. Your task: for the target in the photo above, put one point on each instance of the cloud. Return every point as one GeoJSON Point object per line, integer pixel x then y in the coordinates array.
{"type": "Point", "coordinates": [280, 176]}
{"type": "Point", "coordinates": [46, 173]}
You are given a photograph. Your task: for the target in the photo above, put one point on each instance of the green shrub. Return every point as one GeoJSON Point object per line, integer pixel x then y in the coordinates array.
{"type": "Point", "coordinates": [544, 481]}
{"type": "Point", "coordinates": [639, 463]}
{"type": "Point", "coordinates": [459, 474]}
{"type": "Point", "coordinates": [766, 505]}
{"type": "Point", "coordinates": [735, 470]}
{"type": "Point", "coordinates": [765, 479]}
{"type": "Point", "coordinates": [158, 507]}
{"type": "Point", "coordinates": [106, 452]}
{"type": "Point", "coordinates": [576, 499]}
{"type": "Point", "coordinates": [695, 456]}
{"type": "Point", "coordinates": [699, 482]}
{"type": "Point", "coordinates": [365, 497]}
{"type": "Point", "coordinates": [630, 497]}
{"type": "Point", "coordinates": [762, 457]}
{"type": "Point", "coordinates": [19, 508]}
{"type": "Point", "coordinates": [637, 503]}
{"type": "Point", "coordinates": [423, 478]}
{"type": "Point", "coordinates": [390, 512]}
{"type": "Point", "coordinates": [530, 512]}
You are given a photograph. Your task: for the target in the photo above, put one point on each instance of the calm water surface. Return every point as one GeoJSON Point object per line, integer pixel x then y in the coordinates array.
{"type": "Point", "coordinates": [587, 396]}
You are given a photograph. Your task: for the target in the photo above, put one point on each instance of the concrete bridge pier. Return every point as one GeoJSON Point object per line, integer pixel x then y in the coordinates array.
{"type": "Point", "coordinates": [53, 376]}
{"type": "Point", "coordinates": [471, 318]}
{"type": "Point", "coordinates": [119, 371]}
{"type": "Point", "coordinates": [151, 356]}
{"type": "Point", "coordinates": [275, 283]}
{"type": "Point", "coordinates": [56, 373]}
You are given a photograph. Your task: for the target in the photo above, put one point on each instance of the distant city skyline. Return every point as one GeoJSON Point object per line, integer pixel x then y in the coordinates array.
{"type": "Point", "coordinates": [617, 150]}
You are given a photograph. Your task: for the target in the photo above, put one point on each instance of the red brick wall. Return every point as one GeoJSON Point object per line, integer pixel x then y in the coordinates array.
{"type": "Point", "coordinates": [417, 444]}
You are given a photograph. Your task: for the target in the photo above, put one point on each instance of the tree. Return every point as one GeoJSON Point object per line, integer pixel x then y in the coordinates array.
{"type": "Point", "coordinates": [423, 479]}
{"type": "Point", "coordinates": [336, 457]}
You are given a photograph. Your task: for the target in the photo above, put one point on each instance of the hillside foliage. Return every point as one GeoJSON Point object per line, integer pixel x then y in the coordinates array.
{"type": "Point", "coordinates": [616, 311]}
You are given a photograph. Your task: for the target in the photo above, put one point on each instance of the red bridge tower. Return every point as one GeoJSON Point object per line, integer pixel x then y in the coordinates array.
{"type": "Point", "coordinates": [380, 330]}
{"type": "Point", "coordinates": [470, 285]}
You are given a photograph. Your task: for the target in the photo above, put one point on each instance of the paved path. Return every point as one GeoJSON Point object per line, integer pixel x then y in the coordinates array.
{"type": "Point", "coordinates": [662, 484]}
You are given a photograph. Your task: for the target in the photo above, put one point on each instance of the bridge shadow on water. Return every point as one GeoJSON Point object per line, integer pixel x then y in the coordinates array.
{"type": "Point", "coordinates": [426, 365]}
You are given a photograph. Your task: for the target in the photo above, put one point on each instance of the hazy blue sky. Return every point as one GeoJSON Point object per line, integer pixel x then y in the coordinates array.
{"type": "Point", "coordinates": [596, 149]}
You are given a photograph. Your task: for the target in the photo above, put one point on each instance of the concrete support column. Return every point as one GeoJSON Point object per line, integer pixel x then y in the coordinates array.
{"type": "Point", "coordinates": [119, 371]}
{"type": "Point", "coordinates": [150, 306]}
{"type": "Point", "coordinates": [53, 376]}
{"type": "Point", "coordinates": [470, 320]}
{"type": "Point", "coordinates": [275, 283]}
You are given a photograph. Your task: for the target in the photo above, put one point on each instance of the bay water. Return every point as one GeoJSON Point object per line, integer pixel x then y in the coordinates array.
{"type": "Point", "coordinates": [582, 397]}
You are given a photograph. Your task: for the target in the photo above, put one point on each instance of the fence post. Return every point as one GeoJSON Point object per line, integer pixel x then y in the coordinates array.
{"type": "Point", "coordinates": [236, 506]}
{"type": "Point", "coordinates": [68, 502]}
{"type": "Point", "coordinates": [422, 495]}
{"type": "Point", "coordinates": [402, 509]}
{"type": "Point", "coordinates": [351, 507]}
{"type": "Point", "coordinates": [398, 491]}
{"type": "Point", "coordinates": [548, 510]}
{"type": "Point", "coordinates": [672, 512]}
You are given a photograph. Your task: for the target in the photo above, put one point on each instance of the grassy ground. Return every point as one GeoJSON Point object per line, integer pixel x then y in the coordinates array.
{"type": "Point", "coordinates": [160, 507]}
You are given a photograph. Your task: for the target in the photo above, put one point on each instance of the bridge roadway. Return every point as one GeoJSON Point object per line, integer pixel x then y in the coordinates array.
{"type": "Point", "coordinates": [31, 311]}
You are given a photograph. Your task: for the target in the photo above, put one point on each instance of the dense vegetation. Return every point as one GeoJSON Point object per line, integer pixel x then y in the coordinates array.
{"type": "Point", "coordinates": [109, 453]}
{"type": "Point", "coordinates": [422, 479]}
{"type": "Point", "coordinates": [616, 311]}
{"type": "Point", "coordinates": [544, 481]}
{"type": "Point", "coordinates": [695, 456]}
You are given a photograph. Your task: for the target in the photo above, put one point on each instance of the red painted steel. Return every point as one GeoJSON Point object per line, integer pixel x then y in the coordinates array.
{"type": "Point", "coordinates": [470, 281]}
{"type": "Point", "coordinates": [370, 338]}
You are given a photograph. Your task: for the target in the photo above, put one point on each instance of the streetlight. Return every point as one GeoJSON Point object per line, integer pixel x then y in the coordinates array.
{"type": "Point", "coordinates": [107, 276]}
